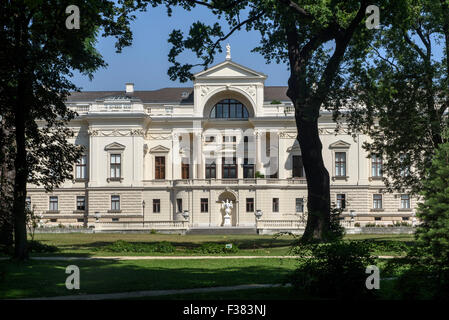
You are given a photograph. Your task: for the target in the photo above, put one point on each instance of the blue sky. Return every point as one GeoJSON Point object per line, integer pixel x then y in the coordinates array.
{"type": "Point", "coordinates": [145, 62]}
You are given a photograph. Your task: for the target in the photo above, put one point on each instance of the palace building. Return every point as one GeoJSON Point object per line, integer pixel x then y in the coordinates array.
{"type": "Point", "coordinates": [167, 159]}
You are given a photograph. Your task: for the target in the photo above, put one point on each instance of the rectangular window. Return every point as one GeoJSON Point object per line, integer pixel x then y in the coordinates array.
{"type": "Point", "coordinates": [159, 168]}
{"type": "Point", "coordinates": [275, 204]}
{"type": "Point", "coordinates": [115, 203]}
{"type": "Point", "coordinates": [340, 164]}
{"type": "Point", "coordinates": [229, 138]}
{"type": "Point", "coordinates": [405, 169]}
{"type": "Point", "coordinates": [53, 204]}
{"type": "Point", "coordinates": [299, 204]}
{"type": "Point", "coordinates": [405, 201]}
{"type": "Point", "coordinates": [211, 169]}
{"type": "Point", "coordinates": [204, 205]}
{"type": "Point", "coordinates": [376, 166]}
{"type": "Point", "coordinates": [341, 201]}
{"type": "Point", "coordinates": [156, 205]}
{"type": "Point", "coordinates": [179, 204]}
{"type": "Point", "coordinates": [116, 164]}
{"type": "Point", "coordinates": [229, 168]}
{"type": "Point", "coordinates": [298, 167]}
{"type": "Point", "coordinates": [377, 201]}
{"type": "Point", "coordinates": [81, 168]}
{"type": "Point", "coordinates": [248, 169]}
{"type": "Point", "coordinates": [185, 169]}
{"type": "Point", "coordinates": [249, 204]}
{"type": "Point", "coordinates": [80, 203]}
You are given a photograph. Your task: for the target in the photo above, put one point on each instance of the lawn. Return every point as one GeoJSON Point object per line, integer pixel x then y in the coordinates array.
{"type": "Point", "coordinates": [80, 244]}
{"type": "Point", "coordinates": [37, 278]}
{"type": "Point", "coordinates": [47, 278]}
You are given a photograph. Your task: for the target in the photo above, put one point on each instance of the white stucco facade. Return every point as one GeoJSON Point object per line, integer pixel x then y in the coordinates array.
{"type": "Point", "coordinates": [135, 142]}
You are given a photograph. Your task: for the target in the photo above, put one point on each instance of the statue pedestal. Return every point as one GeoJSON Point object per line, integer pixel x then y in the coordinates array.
{"type": "Point", "coordinates": [227, 221]}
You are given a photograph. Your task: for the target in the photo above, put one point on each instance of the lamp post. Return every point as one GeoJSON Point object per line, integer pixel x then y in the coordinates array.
{"type": "Point", "coordinates": [352, 214]}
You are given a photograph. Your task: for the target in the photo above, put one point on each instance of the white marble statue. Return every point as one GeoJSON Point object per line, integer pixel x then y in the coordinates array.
{"type": "Point", "coordinates": [228, 52]}
{"type": "Point", "coordinates": [227, 206]}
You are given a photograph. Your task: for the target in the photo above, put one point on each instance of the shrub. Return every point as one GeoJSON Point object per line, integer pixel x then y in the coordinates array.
{"type": "Point", "coordinates": [217, 248]}
{"type": "Point", "coordinates": [36, 246]}
{"type": "Point", "coordinates": [429, 260]}
{"type": "Point", "coordinates": [392, 246]}
{"type": "Point", "coordinates": [333, 270]}
{"type": "Point", "coordinates": [123, 246]}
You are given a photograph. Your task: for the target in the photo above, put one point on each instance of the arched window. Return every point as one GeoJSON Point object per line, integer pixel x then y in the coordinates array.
{"type": "Point", "coordinates": [229, 109]}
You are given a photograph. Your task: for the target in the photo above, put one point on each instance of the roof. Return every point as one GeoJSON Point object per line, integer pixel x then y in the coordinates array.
{"type": "Point", "coordinates": [182, 95]}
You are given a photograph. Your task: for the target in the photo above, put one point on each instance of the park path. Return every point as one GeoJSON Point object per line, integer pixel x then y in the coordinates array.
{"type": "Point", "coordinates": [63, 258]}
{"type": "Point", "coordinates": [155, 293]}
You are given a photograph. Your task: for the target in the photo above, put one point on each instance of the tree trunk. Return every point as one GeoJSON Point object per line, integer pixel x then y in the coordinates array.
{"type": "Point", "coordinates": [21, 176]}
{"type": "Point", "coordinates": [318, 186]}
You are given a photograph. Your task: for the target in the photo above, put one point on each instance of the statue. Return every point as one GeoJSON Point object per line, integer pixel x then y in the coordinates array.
{"type": "Point", "coordinates": [228, 52]}
{"type": "Point", "coordinates": [227, 218]}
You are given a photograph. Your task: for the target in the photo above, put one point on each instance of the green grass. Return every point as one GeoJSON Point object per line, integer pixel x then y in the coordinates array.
{"type": "Point", "coordinates": [47, 278]}
{"type": "Point", "coordinates": [80, 244]}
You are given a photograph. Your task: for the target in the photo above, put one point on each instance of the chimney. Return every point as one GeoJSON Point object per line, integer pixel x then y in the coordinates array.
{"type": "Point", "coordinates": [129, 87]}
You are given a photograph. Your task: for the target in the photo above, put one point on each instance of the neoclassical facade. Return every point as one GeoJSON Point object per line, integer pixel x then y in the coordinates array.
{"type": "Point", "coordinates": [168, 158]}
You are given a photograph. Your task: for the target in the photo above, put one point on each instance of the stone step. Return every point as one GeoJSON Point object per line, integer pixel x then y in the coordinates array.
{"type": "Point", "coordinates": [222, 230]}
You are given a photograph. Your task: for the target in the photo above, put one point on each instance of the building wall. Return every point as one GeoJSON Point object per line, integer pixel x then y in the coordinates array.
{"type": "Point", "coordinates": [140, 132]}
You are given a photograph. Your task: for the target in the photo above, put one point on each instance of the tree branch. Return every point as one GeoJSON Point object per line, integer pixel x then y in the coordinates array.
{"type": "Point", "coordinates": [297, 9]}
{"type": "Point", "coordinates": [237, 27]}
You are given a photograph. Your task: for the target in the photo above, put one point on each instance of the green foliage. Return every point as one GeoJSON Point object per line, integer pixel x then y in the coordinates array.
{"type": "Point", "coordinates": [123, 246]}
{"type": "Point", "coordinates": [259, 175]}
{"type": "Point", "coordinates": [403, 84]}
{"type": "Point", "coordinates": [334, 270]}
{"type": "Point", "coordinates": [38, 247]}
{"type": "Point", "coordinates": [336, 230]}
{"type": "Point", "coordinates": [216, 248]}
{"type": "Point", "coordinates": [37, 57]}
{"type": "Point", "coordinates": [275, 102]}
{"type": "Point", "coordinates": [429, 260]}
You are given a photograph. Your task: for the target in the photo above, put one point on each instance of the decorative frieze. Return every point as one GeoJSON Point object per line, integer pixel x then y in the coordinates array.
{"type": "Point", "coordinates": [115, 132]}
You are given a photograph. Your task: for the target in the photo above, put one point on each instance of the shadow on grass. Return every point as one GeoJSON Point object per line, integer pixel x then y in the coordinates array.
{"type": "Point", "coordinates": [47, 278]}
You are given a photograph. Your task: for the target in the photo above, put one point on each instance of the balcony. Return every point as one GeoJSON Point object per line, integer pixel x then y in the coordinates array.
{"type": "Point", "coordinates": [224, 182]}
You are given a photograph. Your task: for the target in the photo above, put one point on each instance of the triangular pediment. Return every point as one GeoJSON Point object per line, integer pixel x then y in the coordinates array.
{"type": "Point", "coordinates": [114, 146]}
{"type": "Point", "coordinates": [229, 69]}
{"type": "Point", "coordinates": [340, 144]}
{"type": "Point", "coordinates": [159, 148]}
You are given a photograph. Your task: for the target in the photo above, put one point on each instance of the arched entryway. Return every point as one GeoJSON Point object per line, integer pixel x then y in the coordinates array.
{"type": "Point", "coordinates": [228, 195]}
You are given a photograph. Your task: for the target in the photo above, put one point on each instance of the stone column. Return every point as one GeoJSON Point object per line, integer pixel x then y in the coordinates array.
{"type": "Point", "coordinates": [257, 133]}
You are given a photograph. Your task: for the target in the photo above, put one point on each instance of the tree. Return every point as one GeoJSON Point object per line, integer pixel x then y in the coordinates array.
{"type": "Point", "coordinates": [403, 84]}
{"type": "Point", "coordinates": [314, 38]}
{"type": "Point", "coordinates": [6, 190]}
{"type": "Point", "coordinates": [428, 275]}
{"type": "Point", "coordinates": [38, 54]}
